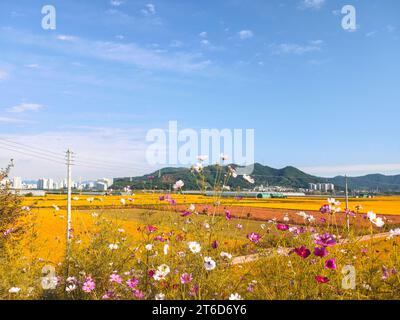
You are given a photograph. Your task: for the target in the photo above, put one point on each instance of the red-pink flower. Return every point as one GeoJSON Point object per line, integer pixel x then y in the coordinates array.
{"type": "Point", "coordinates": [321, 279]}
{"type": "Point", "coordinates": [302, 252]}
{"type": "Point", "coordinates": [282, 227]}
{"type": "Point", "coordinates": [89, 285]}
{"type": "Point", "coordinates": [254, 237]}
{"type": "Point", "coordinates": [132, 283]}
{"type": "Point", "coordinates": [320, 252]}
{"type": "Point", "coordinates": [228, 215]}
{"type": "Point", "coordinates": [151, 229]}
{"type": "Point", "coordinates": [330, 264]}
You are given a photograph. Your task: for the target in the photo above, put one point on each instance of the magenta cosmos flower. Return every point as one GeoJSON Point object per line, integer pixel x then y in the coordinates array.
{"type": "Point", "coordinates": [325, 240]}
{"type": "Point", "coordinates": [254, 237]}
{"type": "Point", "coordinates": [89, 285]}
{"type": "Point", "coordinates": [326, 208]}
{"type": "Point", "coordinates": [115, 278]}
{"type": "Point", "coordinates": [321, 279]}
{"type": "Point", "coordinates": [282, 227]}
{"type": "Point", "coordinates": [132, 283]}
{"type": "Point", "coordinates": [320, 252]}
{"type": "Point", "coordinates": [151, 229]}
{"type": "Point", "coordinates": [186, 278]}
{"type": "Point", "coordinates": [185, 213]}
{"type": "Point", "coordinates": [228, 215]}
{"type": "Point", "coordinates": [330, 264]}
{"type": "Point", "coordinates": [302, 252]}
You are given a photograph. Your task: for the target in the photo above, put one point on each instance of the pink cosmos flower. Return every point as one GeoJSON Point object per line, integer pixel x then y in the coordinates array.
{"type": "Point", "coordinates": [326, 208]}
{"type": "Point", "coordinates": [138, 294]}
{"type": "Point", "coordinates": [194, 291]}
{"type": "Point", "coordinates": [115, 278]}
{"type": "Point", "coordinates": [321, 279]}
{"type": "Point", "coordinates": [228, 215]}
{"type": "Point", "coordinates": [254, 237]}
{"type": "Point", "coordinates": [89, 285]}
{"type": "Point", "coordinates": [186, 278]}
{"type": "Point", "coordinates": [239, 226]}
{"type": "Point", "coordinates": [320, 252]}
{"type": "Point", "coordinates": [185, 213]}
{"type": "Point", "coordinates": [282, 227]}
{"type": "Point", "coordinates": [214, 244]}
{"type": "Point", "coordinates": [132, 283]}
{"type": "Point", "coordinates": [161, 198]}
{"type": "Point", "coordinates": [151, 229]}
{"type": "Point", "coordinates": [302, 252]}
{"type": "Point", "coordinates": [325, 240]}
{"type": "Point", "coordinates": [330, 264]}
{"type": "Point", "coordinates": [108, 296]}
{"type": "Point", "coordinates": [159, 238]}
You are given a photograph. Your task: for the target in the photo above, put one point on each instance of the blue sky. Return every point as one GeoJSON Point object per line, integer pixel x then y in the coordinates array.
{"type": "Point", "coordinates": [319, 97]}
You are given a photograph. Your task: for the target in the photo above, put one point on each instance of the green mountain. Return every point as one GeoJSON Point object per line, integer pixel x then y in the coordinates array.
{"type": "Point", "coordinates": [287, 177]}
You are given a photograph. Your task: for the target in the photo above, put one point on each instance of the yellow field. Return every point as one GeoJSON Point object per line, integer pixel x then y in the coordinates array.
{"type": "Point", "coordinates": [380, 205]}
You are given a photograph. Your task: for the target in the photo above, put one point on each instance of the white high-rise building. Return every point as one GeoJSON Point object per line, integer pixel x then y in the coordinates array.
{"type": "Point", "coordinates": [17, 183]}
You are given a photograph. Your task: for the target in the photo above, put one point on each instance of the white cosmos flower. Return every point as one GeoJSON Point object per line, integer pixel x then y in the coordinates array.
{"type": "Point", "coordinates": [226, 255]}
{"type": "Point", "coordinates": [56, 207]}
{"type": "Point", "coordinates": [166, 249]}
{"type": "Point", "coordinates": [113, 246]}
{"type": "Point", "coordinates": [232, 172]}
{"type": "Point", "coordinates": [194, 247]}
{"type": "Point", "coordinates": [248, 178]}
{"type": "Point", "coordinates": [378, 222]}
{"type": "Point", "coordinates": [235, 296]}
{"type": "Point", "coordinates": [209, 263]}
{"type": "Point", "coordinates": [149, 247]}
{"type": "Point", "coordinates": [90, 199]}
{"type": "Point", "coordinates": [371, 215]}
{"type": "Point", "coordinates": [224, 157]}
{"type": "Point", "coordinates": [160, 296]}
{"type": "Point", "coordinates": [14, 290]}
{"type": "Point", "coordinates": [75, 198]}
{"type": "Point", "coordinates": [122, 201]}
{"type": "Point", "coordinates": [286, 218]}
{"type": "Point", "coordinates": [394, 233]}
{"type": "Point", "coordinates": [202, 158]}
{"type": "Point", "coordinates": [192, 208]}
{"type": "Point", "coordinates": [161, 272]}
{"type": "Point", "coordinates": [198, 167]}
{"type": "Point", "coordinates": [121, 230]}
{"type": "Point", "coordinates": [178, 185]}
{"type": "Point", "coordinates": [70, 288]}
{"type": "Point", "coordinates": [227, 188]}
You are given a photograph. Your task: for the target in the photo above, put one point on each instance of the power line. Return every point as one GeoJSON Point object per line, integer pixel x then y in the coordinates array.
{"type": "Point", "coordinates": [32, 154]}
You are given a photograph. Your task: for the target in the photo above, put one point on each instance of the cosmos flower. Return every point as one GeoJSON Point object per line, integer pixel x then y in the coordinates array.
{"type": "Point", "coordinates": [14, 290]}
{"type": "Point", "coordinates": [239, 226]}
{"type": "Point", "coordinates": [394, 233]}
{"type": "Point", "coordinates": [333, 202]}
{"type": "Point", "coordinates": [166, 249]}
{"type": "Point", "coordinates": [151, 229]}
{"type": "Point", "coordinates": [160, 296]}
{"type": "Point", "coordinates": [122, 201]}
{"type": "Point", "coordinates": [186, 213]}
{"type": "Point", "coordinates": [224, 157]}
{"type": "Point", "coordinates": [248, 178]}
{"type": "Point", "coordinates": [89, 285]}
{"type": "Point", "coordinates": [113, 246]}
{"type": "Point", "coordinates": [302, 252]}
{"type": "Point", "coordinates": [378, 221]}
{"type": "Point", "coordinates": [228, 215]}
{"type": "Point", "coordinates": [325, 240]}
{"type": "Point", "coordinates": [198, 167]}
{"type": "Point", "coordinates": [214, 244]}
{"type": "Point", "coordinates": [194, 247]}
{"type": "Point", "coordinates": [148, 247]}
{"type": "Point", "coordinates": [254, 237]}
{"type": "Point", "coordinates": [232, 172]}
{"type": "Point", "coordinates": [326, 208]}
{"type": "Point", "coordinates": [202, 158]}
{"type": "Point", "coordinates": [226, 255]}
{"type": "Point", "coordinates": [209, 263]}
{"type": "Point", "coordinates": [235, 296]}
{"type": "Point", "coordinates": [161, 272]}
{"type": "Point", "coordinates": [138, 294]}
{"type": "Point", "coordinates": [321, 252]}
{"type": "Point", "coordinates": [186, 278]}
{"type": "Point", "coordinates": [192, 208]}
{"type": "Point", "coordinates": [71, 287]}
{"type": "Point", "coordinates": [321, 279]}
{"type": "Point", "coordinates": [115, 278]}
{"type": "Point", "coordinates": [330, 264]}
{"type": "Point", "coordinates": [178, 185]}
{"type": "Point", "coordinates": [282, 227]}
{"type": "Point", "coordinates": [132, 283]}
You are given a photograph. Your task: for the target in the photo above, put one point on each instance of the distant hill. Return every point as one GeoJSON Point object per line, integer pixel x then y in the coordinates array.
{"type": "Point", "coordinates": [287, 177]}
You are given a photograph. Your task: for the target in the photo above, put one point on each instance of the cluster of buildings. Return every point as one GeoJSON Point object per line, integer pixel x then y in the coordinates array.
{"type": "Point", "coordinates": [17, 183]}
{"type": "Point", "coordinates": [322, 187]}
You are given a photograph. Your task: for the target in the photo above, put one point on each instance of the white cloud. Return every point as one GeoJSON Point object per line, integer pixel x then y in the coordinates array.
{"type": "Point", "coordinates": [149, 10]}
{"type": "Point", "coordinates": [63, 37]}
{"type": "Point", "coordinates": [12, 120]}
{"type": "Point", "coordinates": [120, 151]}
{"type": "Point", "coordinates": [292, 48]}
{"type": "Point", "coordinates": [314, 4]}
{"type": "Point", "coordinates": [370, 34]}
{"type": "Point", "coordinates": [245, 34]}
{"type": "Point", "coordinates": [23, 107]}
{"type": "Point", "coordinates": [203, 34]}
{"type": "Point", "coordinates": [116, 3]}
{"type": "Point", "coordinates": [353, 169]}
{"type": "Point", "coordinates": [32, 66]}
{"type": "Point", "coordinates": [3, 75]}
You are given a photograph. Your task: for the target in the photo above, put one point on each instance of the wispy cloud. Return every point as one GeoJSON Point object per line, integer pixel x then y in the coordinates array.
{"type": "Point", "coordinates": [313, 4]}
{"type": "Point", "coordinates": [23, 107]}
{"type": "Point", "coordinates": [116, 3]}
{"type": "Point", "coordinates": [3, 75]}
{"type": "Point", "coordinates": [150, 10]}
{"type": "Point", "coordinates": [12, 120]}
{"type": "Point", "coordinates": [353, 169]}
{"type": "Point", "coordinates": [245, 34]}
{"type": "Point", "coordinates": [293, 48]}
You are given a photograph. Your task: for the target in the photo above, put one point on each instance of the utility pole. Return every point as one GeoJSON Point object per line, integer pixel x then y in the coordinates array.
{"type": "Point", "coordinates": [347, 202]}
{"type": "Point", "coordinates": [69, 225]}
